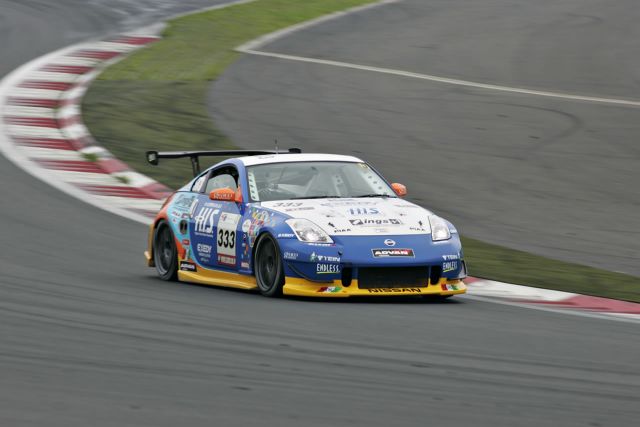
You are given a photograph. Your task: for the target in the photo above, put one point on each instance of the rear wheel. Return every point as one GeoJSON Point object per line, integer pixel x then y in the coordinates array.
{"type": "Point", "coordinates": [165, 255]}
{"type": "Point", "coordinates": [268, 267]}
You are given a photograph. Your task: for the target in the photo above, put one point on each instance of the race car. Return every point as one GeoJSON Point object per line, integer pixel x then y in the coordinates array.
{"type": "Point", "coordinates": [312, 225]}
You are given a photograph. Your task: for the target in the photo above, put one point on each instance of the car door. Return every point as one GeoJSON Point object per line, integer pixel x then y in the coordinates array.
{"type": "Point", "coordinates": [214, 224]}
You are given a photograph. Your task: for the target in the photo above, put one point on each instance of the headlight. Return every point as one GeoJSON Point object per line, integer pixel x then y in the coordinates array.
{"type": "Point", "coordinates": [439, 229]}
{"type": "Point", "coordinates": [307, 231]}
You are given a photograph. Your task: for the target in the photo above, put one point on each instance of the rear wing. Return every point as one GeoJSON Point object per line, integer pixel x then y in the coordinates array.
{"type": "Point", "coordinates": [153, 157]}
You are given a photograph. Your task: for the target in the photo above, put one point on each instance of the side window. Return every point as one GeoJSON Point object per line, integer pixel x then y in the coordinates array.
{"type": "Point", "coordinates": [198, 183]}
{"type": "Point", "coordinates": [225, 177]}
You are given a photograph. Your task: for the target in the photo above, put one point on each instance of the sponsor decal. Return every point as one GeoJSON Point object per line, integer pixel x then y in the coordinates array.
{"type": "Point", "coordinates": [341, 230]}
{"type": "Point", "coordinates": [328, 268]}
{"type": "Point", "coordinates": [187, 266]}
{"type": "Point", "coordinates": [302, 208]}
{"type": "Point", "coordinates": [203, 249]}
{"type": "Point", "coordinates": [205, 220]}
{"type": "Point", "coordinates": [329, 289]}
{"type": "Point", "coordinates": [396, 252]}
{"type": "Point", "coordinates": [290, 255]}
{"type": "Point", "coordinates": [420, 229]}
{"type": "Point", "coordinates": [450, 257]}
{"type": "Point", "coordinates": [226, 239]}
{"type": "Point", "coordinates": [245, 265]}
{"type": "Point", "coordinates": [184, 226]}
{"type": "Point", "coordinates": [246, 225]}
{"type": "Point", "coordinates": [448, 266]}
{"type": "Point", "coordinates": [364, 222]}
{"type": "Point", "coordinates": [398, 290]}
{"type": "Point", "coordinates": [287, 204]}
{"type": "Point", "coordinates": [363, 211]}
{"type": "Point", "coordinates": [186, 242]}
{"type": "Point", "coordinates": [349, 203]}
{"type": "Point", "coordinates": [320, 244]}
{"type": "Point", "coordinates": [286, 235]}
{"type": "Point", "coordinates": [227, 260]}
{"type": "Point", "coordinates": [449, 287]}
{"type": "Point", "coordinates": [390, 242]}
{"type": "Point", "coordinates": [323, 258]}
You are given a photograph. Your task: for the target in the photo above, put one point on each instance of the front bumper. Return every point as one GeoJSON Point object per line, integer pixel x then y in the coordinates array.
{"type": "Point", "coordinates": [301, 287]}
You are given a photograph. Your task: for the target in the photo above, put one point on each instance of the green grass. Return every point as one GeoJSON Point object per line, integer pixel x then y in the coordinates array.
{"type": "Point", "coordinates": [156, 99]}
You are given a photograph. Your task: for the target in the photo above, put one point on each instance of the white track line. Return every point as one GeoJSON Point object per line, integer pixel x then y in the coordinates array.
{"type": "Point", "coordinates": [252, 47]}
{"type": "Point", "coordinates": [446, 80]}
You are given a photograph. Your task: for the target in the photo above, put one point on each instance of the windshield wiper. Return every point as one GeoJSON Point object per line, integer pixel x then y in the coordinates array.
{"type": "Point", "coordinates": [373, 195]}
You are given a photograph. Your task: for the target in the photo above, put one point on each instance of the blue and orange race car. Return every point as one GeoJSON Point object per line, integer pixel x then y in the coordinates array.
{"type": "Point", "coordinates": [301, 224]}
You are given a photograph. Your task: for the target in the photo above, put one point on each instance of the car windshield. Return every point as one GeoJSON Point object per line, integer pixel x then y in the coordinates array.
{"type": "Point", "coordinates": [312, 180]}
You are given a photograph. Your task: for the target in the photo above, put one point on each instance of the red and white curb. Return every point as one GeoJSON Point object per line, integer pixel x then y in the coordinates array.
{"type": "Point", "coordinates": [552, 300]}
{"type": "Point", "coordinates": [41, 128]}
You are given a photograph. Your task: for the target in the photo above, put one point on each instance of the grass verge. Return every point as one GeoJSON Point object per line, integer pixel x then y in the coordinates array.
{"type": "Point", "coordinates": [156, 99]}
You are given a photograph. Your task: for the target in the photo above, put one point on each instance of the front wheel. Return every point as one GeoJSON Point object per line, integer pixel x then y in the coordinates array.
{"type": "Point", "coordinates": [165, 255]}
{"type": "Point", "coordinates": [268, 267]}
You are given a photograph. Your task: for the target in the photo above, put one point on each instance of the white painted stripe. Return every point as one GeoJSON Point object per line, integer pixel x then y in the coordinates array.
{"type": "Point", "coordinates": [135, 179]}
{"type": "Point", "coordinates": [88, 77]}
{"type": "Point", "coordinates": [112, 47]}
{"type": "Point", "coordinates": [23, 92]}
{"type": "Point", "coordinates": [97, 150]}
{"type": "Point", "coordinates": [268, 38]}
{"type": "Point", "coordinates": [46, 76]}
{"type": "Point", "coordinates": [33, 131]}
{"type": "Point", "coordinates": [133, 203]}
{"type": "Point", "coordinates": [68, 111]}
{"type": "Point", "coordinates": [88, 178]}
{"type": "Point", "coordinates": [446, 80]}
{"type": "Point", "coordinates": [76, 92]}
{"type": "Point", "coordinates": [75, 131]}
{"type": "Point", "coordinates": [50, 153]}
{"type": "Point", "coordinates": [490, 288]}
{"type": "Point", "coordinates": [73, 60]}
{"type": "Point", "coordinates": [39, 112]}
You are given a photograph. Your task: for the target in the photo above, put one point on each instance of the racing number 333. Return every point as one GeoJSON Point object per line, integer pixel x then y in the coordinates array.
{"type": "Point", "coordinates": [226, 242]}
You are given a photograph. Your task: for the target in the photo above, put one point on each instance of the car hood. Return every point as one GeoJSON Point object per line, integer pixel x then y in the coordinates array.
{"type": "Point", "coordinates": [358, 216]}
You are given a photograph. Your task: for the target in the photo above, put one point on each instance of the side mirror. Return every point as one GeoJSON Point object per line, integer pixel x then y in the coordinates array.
{"type": "Point", "coordinates": [399, 189]}
{"type": "Point", "coordinates": [225, 194]}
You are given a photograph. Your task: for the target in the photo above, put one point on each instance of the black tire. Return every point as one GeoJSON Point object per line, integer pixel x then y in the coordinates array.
{"type": "Point", "coordinates": [165, 254]}
{"type": "Point", "coordinates": [269, 269]}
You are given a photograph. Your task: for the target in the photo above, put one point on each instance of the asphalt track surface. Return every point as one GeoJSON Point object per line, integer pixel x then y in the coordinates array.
{"type": "Point", "coordinates": [88, 335]}
{"type": "Point", "coordinates": [555, 177]}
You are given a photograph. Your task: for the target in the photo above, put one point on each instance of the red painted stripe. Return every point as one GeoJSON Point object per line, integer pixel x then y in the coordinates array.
{"type": "Point", "coordinates": [32, 121]}
{"type": "Point", "coordinates": [156, 191]}
{"type": "Point", "coordinates": [58, 144]}
{"type": "Point", "coordinates": [112, 190]}
{"type": "Point", "coordinates": [32, 102]}
{"type": "Point", "coordinates": [72, 165]}
{"type": "Point", "coordinates": [113, 165]}
{"type": "Point", "coordinates": [134, 40]}
{"type": "Point", "coordinates": [37, 84]}
{"type": "Point", "coordinates": [96, 54]}
{"type": "Point", "coordinates": [68, 69]}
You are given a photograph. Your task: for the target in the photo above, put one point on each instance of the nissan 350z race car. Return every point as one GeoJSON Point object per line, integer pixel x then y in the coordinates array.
{"type": "Point", "coordinates": [301, 224]}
